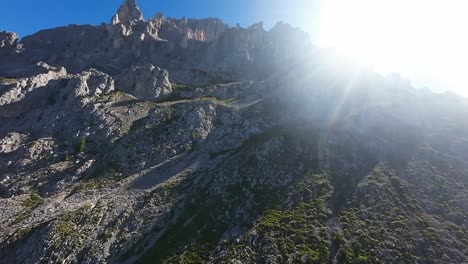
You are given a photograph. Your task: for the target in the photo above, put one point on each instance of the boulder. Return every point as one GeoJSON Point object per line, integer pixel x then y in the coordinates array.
{"type": "Point", "coordinates": [89, 85]}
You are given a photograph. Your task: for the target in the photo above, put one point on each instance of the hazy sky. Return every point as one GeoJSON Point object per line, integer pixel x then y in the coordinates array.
{"type": "Point", "coordinates": [422, 39]}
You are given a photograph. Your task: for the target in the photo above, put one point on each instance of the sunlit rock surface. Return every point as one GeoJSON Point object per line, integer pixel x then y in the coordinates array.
{"type": "Point", "coordinates": [190, 141]}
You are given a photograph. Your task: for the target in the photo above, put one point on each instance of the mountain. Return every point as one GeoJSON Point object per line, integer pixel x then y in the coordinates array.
{"type": "Point", "coordinates": [191, 141]}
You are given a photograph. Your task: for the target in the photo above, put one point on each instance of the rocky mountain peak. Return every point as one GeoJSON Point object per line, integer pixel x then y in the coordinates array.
{"type": "Point", "coordinates": [128, 14]}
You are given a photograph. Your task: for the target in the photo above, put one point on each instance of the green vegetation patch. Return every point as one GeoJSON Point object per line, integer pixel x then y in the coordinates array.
{"type": "Point", "coordinates": [93, 184]}
{"type": "Point", "coordinates": [7, 80]}
{"type": "Point", "coordinates": [66, 229]}
{"type": "Point", "coordinates": [299, 233]}
{"type": "Point", "coordinates": [271, 219]}
{"type": "Point", "coordinates": [68, 226]}
{"type": "Point", "coordinates": [33, 201]}
{"type": "Point", "coordinates": [197, 230]}
{"type": "Point", "coordinates": [230, 100]}
{"type": "Point", "coordinates": [167, 115]}
{"type": "Point", "coordinates": [81, 146]}
{"type": "Point", "coordinates": [177, 86]}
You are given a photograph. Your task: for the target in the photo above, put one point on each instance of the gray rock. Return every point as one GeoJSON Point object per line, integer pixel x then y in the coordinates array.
{"type": "Point", "coordinates": [90, 85]}
{"type": "Point", "coordinates": [146, 82]}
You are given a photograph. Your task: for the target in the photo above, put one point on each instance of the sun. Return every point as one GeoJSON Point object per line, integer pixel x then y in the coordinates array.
{"type": "Point", "coordinates": [424, 39]}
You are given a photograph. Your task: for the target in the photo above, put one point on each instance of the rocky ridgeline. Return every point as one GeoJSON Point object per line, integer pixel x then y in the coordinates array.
{"type": "Point", "coordinates": [190, 141]}
{"type": "Point", "coordinates": [188, 48]}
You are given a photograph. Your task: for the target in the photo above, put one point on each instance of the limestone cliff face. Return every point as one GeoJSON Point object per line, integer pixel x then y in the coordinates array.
{"type": "Point", "coordinates": [190, 141]}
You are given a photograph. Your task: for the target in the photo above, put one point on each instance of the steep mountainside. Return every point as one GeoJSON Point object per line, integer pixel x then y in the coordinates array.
{"type": "Point", "coordinates": [190, 141]}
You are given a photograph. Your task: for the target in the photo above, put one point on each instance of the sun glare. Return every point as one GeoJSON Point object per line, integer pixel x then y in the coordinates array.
{"type": "Point", "coordinates": [414, 37]}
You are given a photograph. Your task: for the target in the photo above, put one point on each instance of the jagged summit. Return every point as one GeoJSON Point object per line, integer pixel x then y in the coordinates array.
{"type": "Point", "coordinates": [128, 14]}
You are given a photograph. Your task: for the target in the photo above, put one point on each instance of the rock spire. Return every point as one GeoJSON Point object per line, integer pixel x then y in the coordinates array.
{"type": "Point", "coordinates": [128, 14]}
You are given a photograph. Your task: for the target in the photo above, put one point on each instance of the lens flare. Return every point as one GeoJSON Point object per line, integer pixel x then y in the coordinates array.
{"type": "Point", "coordinates": [425, 40]}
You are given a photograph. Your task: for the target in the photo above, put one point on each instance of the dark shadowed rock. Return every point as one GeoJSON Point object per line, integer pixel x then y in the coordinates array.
{"type": "Point", "coordinates": [9, 44]}
{"type": "Point", "coordinates": [8, 39]}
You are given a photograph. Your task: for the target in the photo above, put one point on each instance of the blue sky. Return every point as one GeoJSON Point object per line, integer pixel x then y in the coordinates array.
{"type": "Point", "coordinates": [28, 16]}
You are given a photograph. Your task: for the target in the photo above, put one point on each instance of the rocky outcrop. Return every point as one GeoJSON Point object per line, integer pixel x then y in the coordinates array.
{"type": "Point", "coordinates": [9, 43]}
{"type": "Point", "coordinates": [16, 89]}
{"type": "Point", "coordinates": [146, 82]}
{"type": "Point", "coordinates": [128, 14]}
{"type": "Point", "coordinates": [8, 39]}
{"type": "Point", "coordinates": [11, 142]}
